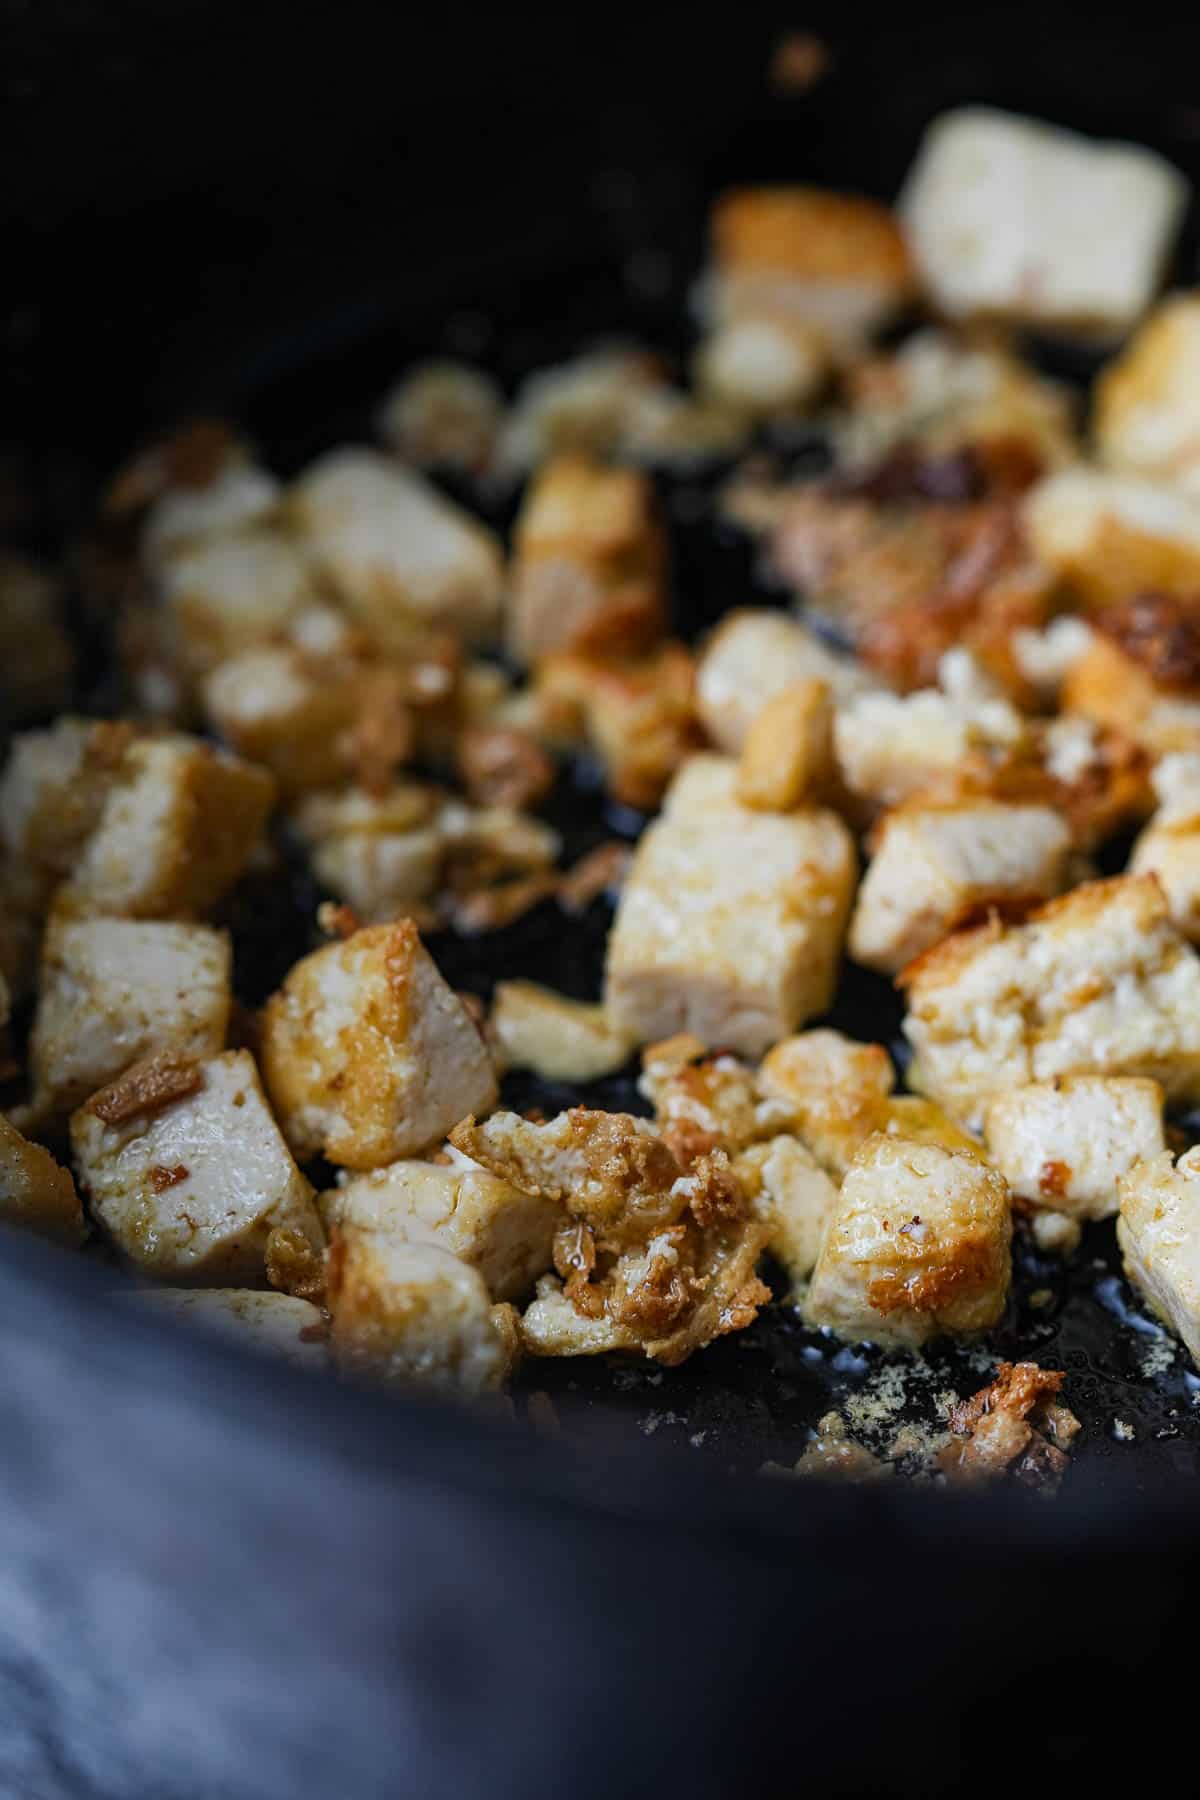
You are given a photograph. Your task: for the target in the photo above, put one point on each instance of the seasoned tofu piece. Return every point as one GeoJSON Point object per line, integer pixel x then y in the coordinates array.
{"type": "Point", "coordinates": [188, 1172]}
{"type": "Point", "coordinates": [591, 403]}
{"type": "Point", "coordinates": [52, 793]}
{"type": "Point", "coordinates": [1140, 673]}
{"type": "Point", "coordinates": [837, 1089]}
{"type": "Point", "coordinates": [378, 853]}
{"type": "Point", "coordinates": [635, 714]}
{"type": "Point", "coordinates": [756, 654]}
{"type": "Point", "coordinates": [562, 1039]}
{"type": "Point", "coordinates": [1012, 219]}
{"type": "Point", "coordinates": [1098, 982]}
{"type": "Point", "coordinates": [1063, 1145]}
{"type": "Point", "coordinates": [1169, 847]}
{"type": "Point", "coordinates": [888, 747]}
{"type": "Point", "coordinates": [457, 1206]}
{"type": "Point", "coordinates": [1016, 1425]}
{"type": "Point", "coordinates": [443, 415]}
{"type": "Point", "coordinates": [589, 565]}
{"type": "Point", "coordinates": [1146, 417]}
{"type": "Point", "coordinates": [1108, 535]}
{"type": "Point", "coordinates": [552, 1326]}
{"type": "Point", "coordinates": [918, 1244]}
{"type": "Point", "coordinates": [412, 1314]}
{"type": "Point", "coordinates": [287, 709]}
{"type": "Point", "coordinates": [179, 825]}
{"type": "Point", "coordinates": [35, 1193]}
{"type": "Point", "coordinates": [37, 659]}
{"type": "Point", "coordinates": [922, 1122]}
{"type": "Point", "coordinates": [278, 1324]}
{"type": "Point", "coordinates": [1099, 777]}
{"type": "Point", "coordinates": [795, 1195]}
{"type": "Point", "coordinates": [368, 1055]}
{"type": "Point", "coordinates": [115, 990]}
{"type": "Point", "coordinates": [237, 495]}
{"type": "Point", "coordinates": [228, 593]}
{"type": "Point", "coordinates": [835, 262]}
{"type": "Point", "coordinates": [730, 922]}
{"type": "Point", "coordinates": [940, 865]}
{"type": "Point", "coordinates": [404, 559]}
{"type": "Point", "coordinates": [762, 365]}
{"type": "Point", "coordinates": [787, 757]}
{"type": "Point", "coordinates": [1159, 1234]}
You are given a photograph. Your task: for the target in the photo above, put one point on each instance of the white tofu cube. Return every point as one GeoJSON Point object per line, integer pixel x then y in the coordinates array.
{"type": "Point", "coordinates": [35, 1193]}
{"type": "Point", "coordinates": [1159, 1235]}
{"type": "Point", "coordinates": [1063, 1145]}
{"type": "Point", "coordinates": [378, 853]}
{"type": "Point", "coordinates": [1147, 402]}
{"type": "Point", "coordinates": [52, 793]}
{"type": "Point", "coordinates": [368, 1055]}
{"type": "Point", "coordinates": [918, 1244]}
{"type": "Point", "coordinates": [1169, 847]}
{"type": "Point", "coordinates": [1014, 219]}
{"type": "Point", "coordinates": [403, 558]}
{"type": "Point", "coordinates": [730, 922]}
{"type": "Point", "coordinates": [288, 710]}
{"type": "Point", "coordinates": [939, 866]}
{"type": "Point", "coordinates": [562, 1039]}
{"type": "Point", "coordinates": [115, 990]}
{"type": "Point", "coordinates": [230, 592]}
{"type": "Point", "coordinates": [1098, 982]}
{"type": "Point", "coordinates": [188, 1172]}
{"type": "Point", "coordinates": [277, 1324]}
{"type": "Point", "coordinates": [763, 365]}
{"type": "Point", "coordinates": [836, 1088]}
{"type": "Point", "coordinates": [890, 746]}
{"type": "Point", "coordinates": [239, 495]}
{"type": "Point", "coordinates": [754, 655]}
{"type": "Point", "coordinates": [1108, 535]}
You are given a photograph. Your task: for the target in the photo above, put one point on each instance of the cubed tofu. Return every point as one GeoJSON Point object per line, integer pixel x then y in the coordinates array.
{"type": "Point", "coordinates": [756, 654]}
{"type": "Point", "coordinates": [1140, 675]}
{"type": "Point", "coordinates": [787, 757]}
{"type": "Point", "coordinates": [1108, 535]}
{"type": "Point", "coordinates": [115, 990]}
{"type": "Point", "coordinates": [763, 366]}
{"type": "Point", "coordinates": [1012, 219]}
{"type": "Point", "coordinates": [560, 1038]}
{"type": "Point", "coordinates": [413, 1315]}
{"type": "Point", "coordinates": [37, 659]}
{"type": "Point", "coordinates": [918, 1244]}
{"type": "Point", "coordinates": [730, 922]}
{"type": "Point", "coordinates": [795, 1195]}
{"type": "Point", "coordinates": [552, 1325]}
{"type": "Point", "coordinates": [276, 1324]}
{"type": "Point", "coordinates": [240, 494]}
{"type": "Point", "coordinates": [1169, 849]}
{"type": "Point", "coordinates": [923, 1122]}
{"type": "Point", "coordinates": [940, 865]}
{"type": "Point", "coordinates": [179, 825]}
{"type": "Point", "coordinates": [457, 1206]}
{"type": "Point", "coordinates": [368, 1055]}
{"type": "Point", "coordinates": [589, 563]}
{"type": "Point", "coordinates": [888, 746]}
{"type": "Point", "coordinates": [404, 559]}
{"type": "Point", "coordinates": [443, 415]}
{"type": "Point", "coordinates": [1098, 982]}
{"type": "Point", "coordinates": [1159, 1234]}
{"type": "Point", "coordinates": [378, 853]}
{"type": "Point", "coordinates": [230, 592]}
{"type": "Point", "coordinates": [35, 1193]}
{"type": "Point", "coordinates": [1064, 1145]}
{"type": "Point", "coordinates": [838, 1091]}
{"type": "Point", "coordinates": [189, 1175]}
{"type": "Point", "coordinates": [1146, 416]}
{"type": "Point", "coordinates": [836, 262]}
{"type": "Point", "coordinates": [635, 713]}
{"type": "Point", "coordinates": [53, 791]}
{"type": "Point", "coordinates": [288, 710]}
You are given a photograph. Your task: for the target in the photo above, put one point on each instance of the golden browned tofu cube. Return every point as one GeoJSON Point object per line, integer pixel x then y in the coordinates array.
{"type": "Point", "coordinates": [35, 1193]}
{"type": "Point", "coordinates": [1159, 1235]}
{"type": "Point", "coordinates": [52, 793]}
{"type": "Point", "coordinates": [762, 365]}
{"type": "Point", "coordinates": [756, 654]}
{"type": "Point", "coordinates": [188, 1172]}
{"type": "Point", "coordinates": [890, 746]}
{"type": "Point", "coordinates": [1109, 535]}
{"type": "Point", "coordinates": [1139, 676]}
{"type": "Point", "coordinates": [788, 753]}
{"type": "Point", "coordinates": [562, 1039]}
{"type": "Point", "coordinates": [368, 1055]}
{"type": "Point", "coordinates": [1065, 1144]}
{"type": "Point", "coordinates": [377, 852]}
{"type": "Point", "coordinates": [1169, 847]}
{"type": "Point", "coordinates": [918, 1244]}
{"type": "Point", "coordinates": [1147, 403]}
{"type": "Point", "coordinates": [273, 1324]}
{"type": "Point", "coordinates": [228, 593]}
{"type": "Point", "coordinates": [635, 713]}
{"type": "Point", "coordinates": [287, 709]}
{"type": "Point", "coordinates": [837, 1089]}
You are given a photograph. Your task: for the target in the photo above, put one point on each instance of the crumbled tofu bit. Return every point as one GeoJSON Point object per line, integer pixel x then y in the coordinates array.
{"type": "Point", "coordinates": [288, 710]}
{"type": "Point", "coordinates": [837, 263]}
{"type": "Point", "coordinates": [53, 791]}
{"type": "Point", "coordinates": [35, 1193]}
{"type": "Point", "coordinates": [190, 1189]}
{"type": "Point", "coordinates": [1098, 982]}
{"type": "Point", "coordinates": [1100, 777]}
{"type": "Point", "coordinates": [705, 1104]}
{"type": "Point", "coordinates": [589, 561]}
{"type": "Point", "coordinates": [240, 495]}
{"type": "Point", "coordinates": [1159, 1234]}
{"type": "Point", "coordinates": [793, 1193]}
{"type": "Point", "coordinates": [179, 825]}
{"type": "Point", "coordinates": [788, 753]}
{"type": "Point", "coordinates": [1147, 402]}
{"type": "Point", "coordinates": [940, 865]}
{"type": "Point", "coordinates": [402, 557]}
{"type": "Point", "coordinates": [500, 765]}
{"type": "Point", "coordinates": [1016, 1425]}
{"type": "Point", "coordinates": [756, 654]}
{"type": "Point", "coordinates": [590, 403]}
{"type": "Point", "coordinates": [413, 1315]}
{"type": "Point", "coordinates": [229, 593]}
{"type": "Point", "coordinates": [378, 853]}
{"type": "Point", "coordinates": [115, 990]}
{"type": "Point", "coordinates": [552, 1326]}
{"type": "Point", "coordinates": [832, 1455]}
{"type": "Point", "coordinates": [37, 660]}
{"type": "Point", "coordinates": [635, 714]}
{"type": "Point", "coordinates": [913, 1117]}
{"type": "Point", "coordinates": [1108, 535]}
{"type": "Point", "coordinates": [505, 1233]}
{"type": "Point", "coordinates": [368, 1055]}
{"type": "Point", "coordinates": [561, 1039]}
{"type": "Point", "coordinates": [1046, 658]}
{"type": "Point", "coordinates": [918, 1244]}
{"type": "Point", "coordinates": [730, 922]}
{"type": "Point", "coordinates": [1009, 218]}
{"type": "Point", "coordinates": [1056, 1233]}
{"type": "Point", "coordinates": [763, 365]}
{"type": "Point", "coordinates": [890, 746]}
{"type": "Point", "coordinates": [837, 1089]}
{"type": "Point", "coordinates": [279, 1324]}
{"type": "Point", "coordinates": [443, 415]}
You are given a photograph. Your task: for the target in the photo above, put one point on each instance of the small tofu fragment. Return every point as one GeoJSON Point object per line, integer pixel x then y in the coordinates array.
{"type": "Point", "coordinates": [190, 1186]}
{"type": "Point", "coordinates": [838, 1091]}
{"type": "Point", "coordinates": [918, 1244]}
{"type": "Point", "coordinates": [795, 1195]}
{"type": "Point", "coordinates": [1140, 674]}
{"type": "Point", "coordinates": [1015, 1426]}
{"type": "Point", "coordinates": [1159, 1234]}
{"type": "Point", "coordinates": [379, 853]}
{"type": "Point", "coordinates": [443, 415]}
{"type": "Point", "coordinates": [36, 1194]}
{"type": "Point", "coordinates": [788, 753]}
{"type": "Point", "coordinates": [404, 559]}
{"type": "Point", "coordinates": [37, 659]}
{"type": "Point", "coordinates": [1063, 1145]}
{"type": "Point", "coordinates": [888, 747]}
{"type": "Point", "coordinates": [1098, 982]}
{"type": "Point", "coordinates": [368, 1055]}
{"type": "Point", "coordinates": [635, 713]}
{"type": "Point", "coordinates": [593, 403]}
{"type": "Point", "coordinates": [1169, 847]}
{"type": "Point", "coordinates": [278, 1324]}
{"type": "Point", "coordinates": [756, 654]}
{"type": "Point", "coordinates": [940, 865]}
{"type": "Point", "coordinates": [411, 1314]}
{"type": "Point", "coordinates": [730, 922]}
{"type": "Point", "coordinates": [115, 990]}
{"type": "Point", "coordinates": [52, 794]}
{"type": "Point", "coordinates": [561, 1039]}
{"type": "Point", "coordinates": [1147, 402]}
{"type": "Point", "coordinates": [761, 366]}
{"type": "Point", "coordinates": [228, 593]}
{"type": "Point", "coordinates": [1109, 535]}
{"type": "Point", "coordinates": [1008, 218]}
